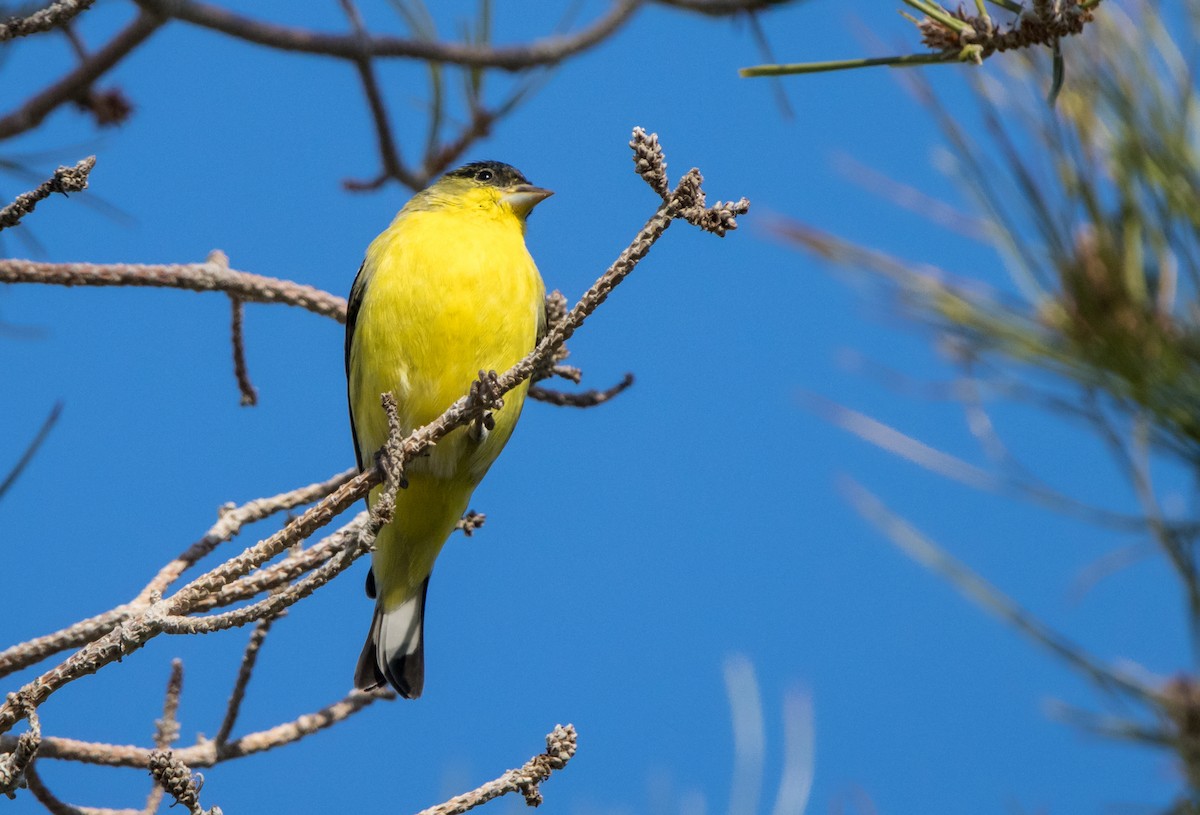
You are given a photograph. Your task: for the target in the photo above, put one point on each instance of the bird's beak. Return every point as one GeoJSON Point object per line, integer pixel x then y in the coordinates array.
{"type": "Point", "coordinates": [524, 197]}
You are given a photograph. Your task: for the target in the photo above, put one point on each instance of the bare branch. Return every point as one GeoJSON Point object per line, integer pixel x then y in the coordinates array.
{"type": "Point", "coordinates": [14, 765]}
{"type": "Point", "coordinates": [76, 83]}
{"type": "Point", "coordinates": [568, 372]}
{"type": "Point", "coordinates": [229, 525]}
{"type": "Point", "coordinates": [201, 277]}
{"type": "Point", "coordinates": [249, 659]}
{"type": "Point", "coordinates": [240, 372]}
{"type": "Point", "coordinates": [34, 651]}
{"type": "Point", "coordinates": [57, 807]}
{"type": "Point", "coordinates": [349, 46]}
{"type": "Point", "coordinates": [393, 166]}
{"type": "Point", "coordinates": [232, 519]}
{"type": "Point", "coordinates": [166, 729]}
{"type": "Point", "coordinates": [295, 565]}
{"type": "Point", "coordinates": [205, 753]}
{"type": "Point", "coordinates": [135, 632]}
{"type": "Point", "coordinates": [585, 399]}
{"type": "Point", "coordinates": [958, 36]}
{"type": "Point", "coordinates": [65, 180]}
{"type": "Point", "coordinates": [276, 603]}
{"type": "Point", "coordinates": [52, 16]}
{"type": "Point", "coordinates": [290, 732]}
{"type": "Point", "coordinates": [560, 748]}
{"type": "Point", "coordinates": [721, 8]}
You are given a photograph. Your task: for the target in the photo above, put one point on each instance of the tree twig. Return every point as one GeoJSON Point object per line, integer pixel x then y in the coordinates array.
{"type": "Point", "coordinates": [205, 752]}
{"type": "Point", "coordinates": [245, 671]}
{"type": "Point", "coordinates": [30, 451]}
{"type": "Point", "coordinates": [722, 8]}
{"type": "Point", "coordinates": [65, 180]}
{"type": "Point", "coordinates": [200, 277]}
{"type": "Point", "coordinates": [20, 758]}
{"type": "Point", "coordinates": [166, 729]}
{"type": "Point", "coordinates": [55, 806]}
{"type": "Point", "coordinates": [232, 519]}
{"type": "Point", "coordinates": [585, 399]}
{"type": "Point", "coordinates": [560, 748]}
{"type": "Point", "coordinates": [44, 19]}
{"type": "Point", "coordinates": [393, 166]}
{"type": "Point", "coordinates": [349, 46]}
{"type": "Point", "coordinates": [74, 84]}
{"type": "Point", "coordinates": [240, 371]}
{"type": "Point", "coordinates": [957, 36]}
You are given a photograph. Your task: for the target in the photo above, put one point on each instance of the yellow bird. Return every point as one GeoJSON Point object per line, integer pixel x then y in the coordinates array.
{"type": "Point", "coordinates": [448, 290]}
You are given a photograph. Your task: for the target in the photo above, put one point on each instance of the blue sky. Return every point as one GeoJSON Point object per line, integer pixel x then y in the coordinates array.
{"type": "Point", "coordinates": [629, 549]}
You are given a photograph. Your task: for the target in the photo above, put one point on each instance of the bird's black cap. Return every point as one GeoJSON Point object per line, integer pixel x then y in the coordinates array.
{"type": "Point", "coordinates": [491, 173]}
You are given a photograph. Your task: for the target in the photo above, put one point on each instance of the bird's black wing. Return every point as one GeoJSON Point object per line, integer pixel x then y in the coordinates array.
{"type": "Point", "coordinates": [356, 297]}
{"type": "Point", "coordinates": [352, 307]}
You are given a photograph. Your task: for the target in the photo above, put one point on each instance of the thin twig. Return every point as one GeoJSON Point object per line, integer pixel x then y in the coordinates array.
{"type": "Point", "coordinates": [32, 449]}
{"type": "Point", "coordinates": [245, 671]}
{"type": "Point", "coordinates": [482, 119]}
{"type": "Point", "coordinates": [722, 8]}
{"type": "Point", "coordinates": [586, 399]}
{"type": "Point", "coordinates": [389, 152]}
{"type": "Point", "coordinates": [230, 523]}
{"type": "Point", "coordinates": [240, 371]}
{"type": "Point", "coordinates": [65, 180]}
{"type": "Point", "coordinates": [560, 747]}
{"type": "Point", "coordinates": [349, 46]}
{"type": "Point", "coordinates": [295, 565]}
{"type": "Point", "coordinates": [205, 753]}
{"type": "Point", "coordinates": [73, 85]}
{"type": "Point", "coordinates": [200, 277]}
{"type": "Point", "coordinates": [55, 806]}
{"type": "Point", "coordinates": [20, 758]}
{"type": "Point", "coordinates": [166, 729]}
{"type": "Point", "coordinates": [44, 19]}
{"type": "Point", "coordinates": [957, 36]}
{"type": "Point", "coordinates": [925, 552]}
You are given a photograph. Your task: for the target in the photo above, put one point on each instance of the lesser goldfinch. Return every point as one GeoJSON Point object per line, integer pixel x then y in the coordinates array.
{"type": "Point", "coordinates": [447, 291]}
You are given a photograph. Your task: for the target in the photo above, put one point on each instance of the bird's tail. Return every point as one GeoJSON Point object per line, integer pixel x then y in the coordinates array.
{"type": "Point", "coordinates": [395, 650]}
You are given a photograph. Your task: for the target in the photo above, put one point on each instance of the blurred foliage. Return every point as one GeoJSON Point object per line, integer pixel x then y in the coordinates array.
{"type": "Point", "coordinates": [1093, 206]}
{"type": "Point", "coordinates": [971, 35]}
{"type": "Point", "coordinates": [1112, 191]}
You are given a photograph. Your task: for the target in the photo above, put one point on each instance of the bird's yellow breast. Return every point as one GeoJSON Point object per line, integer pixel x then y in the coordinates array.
{"type": "Point", "coordinates": [450, 292]}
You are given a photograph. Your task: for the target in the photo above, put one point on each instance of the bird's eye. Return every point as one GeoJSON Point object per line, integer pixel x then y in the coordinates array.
{"type": "Point", "coordinates": [484, 175]}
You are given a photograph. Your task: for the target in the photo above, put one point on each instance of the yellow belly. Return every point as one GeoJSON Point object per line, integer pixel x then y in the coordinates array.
{"type": "Point", "coordinates": [449, 293]}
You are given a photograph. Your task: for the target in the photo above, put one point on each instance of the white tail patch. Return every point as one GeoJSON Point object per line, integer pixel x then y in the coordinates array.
{"type": "Point", "coordinates": [394, 652]}
{"type": "Point", "coordinates": [400, 632]}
